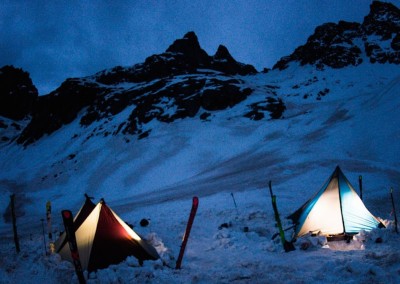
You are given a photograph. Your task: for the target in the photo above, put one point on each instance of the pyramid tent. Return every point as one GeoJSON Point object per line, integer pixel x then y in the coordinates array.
{"type": "Point", "coordinates": [334, 210]}
{"type": "Point", "coordinates": [104, 239]}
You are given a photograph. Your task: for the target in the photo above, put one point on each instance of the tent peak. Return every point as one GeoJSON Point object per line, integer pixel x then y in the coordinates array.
{"type": "Point", "coordinates": [337, 172]}
{"type": "Point", "coordinates": [88, 197]}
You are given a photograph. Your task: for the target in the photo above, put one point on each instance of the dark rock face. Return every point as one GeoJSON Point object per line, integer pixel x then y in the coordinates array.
{"type": "Point", "coordinates": [224, 62]}
{"type": "Point", "coordinates": [59, 108]}
{"type": "Point", "coordinates": [185, 81]}
{"type": "Point", "coordinates": [190, 48]}
{"type": "Point", "coordinates": [382, 22]}
{"type": "Point", "coordinates": [184, 99]}
{"type": "Point", "coordinates": [337, 45]}
{"type": "Point", "coordinates": [395, 44]}
{"type": "Point", "coordinates": [184, 56]}
{"type": "Point", "coordinates": [158, 94]}
{"type": "Point", "coordinates": [331, 45]}
{"type": "Point", "coordinates": [223, 96]}
{"type": "Point", "coordinates": [17, 93]}
{"type": "Point", "coordinates": [275, 108]}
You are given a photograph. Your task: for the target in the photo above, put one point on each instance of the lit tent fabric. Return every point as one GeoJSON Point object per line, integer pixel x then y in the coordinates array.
{"type": "Point", "coordinates": [82, 214]}
{"type": "Point", "coordinates": [334, 210]}
{"type": "Point", "coordinates": [104, 239]}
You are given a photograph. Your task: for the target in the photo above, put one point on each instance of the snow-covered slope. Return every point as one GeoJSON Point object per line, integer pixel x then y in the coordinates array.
{"type": "Point", "coordinates": [328, 116]}
{"type": "Point", "coordinates": [353, 126]}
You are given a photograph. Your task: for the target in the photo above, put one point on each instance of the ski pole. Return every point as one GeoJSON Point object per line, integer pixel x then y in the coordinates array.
{"type": "Point", "coordinates": [44, 237]}
{"type": "Point", "coordinates": [14, 220]}
{"type": "Point", "coordinates": [287, 229]}
{"type": "Point", "coordinates": [48, 218]}
{"type": "Point", "coordinates": [394, 209]}
{"type": "Point", "coordinates": [234, 201]}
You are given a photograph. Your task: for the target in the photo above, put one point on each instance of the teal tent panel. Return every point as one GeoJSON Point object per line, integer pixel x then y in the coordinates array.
{"type": "Point", "coordinates": [356, 216]}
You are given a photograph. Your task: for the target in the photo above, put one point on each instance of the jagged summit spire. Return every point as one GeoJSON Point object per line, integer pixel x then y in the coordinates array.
{"type": "Point", "coordinates": [383, 20]}
{"type": "Point", "coordinates": [185, 45]}
{"type": "Point", "coordinates": [189, 46]}
{"type": "Point", "coordinates": [343, 44]}
{"type": "Point", "coordinates": [223, 54]}
{"type": "Point", "coordinates": [378, 7]}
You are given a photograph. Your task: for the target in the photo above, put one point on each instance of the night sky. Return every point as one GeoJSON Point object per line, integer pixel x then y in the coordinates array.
{"type": "Point", "coordinates": [54, 40]}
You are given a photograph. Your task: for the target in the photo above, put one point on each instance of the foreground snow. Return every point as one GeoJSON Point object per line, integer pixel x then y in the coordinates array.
{"type": "Point", "coordinates": [226, 246]}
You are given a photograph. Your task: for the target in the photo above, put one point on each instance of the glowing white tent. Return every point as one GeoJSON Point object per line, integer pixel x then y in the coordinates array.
{"type": "Point", "coordinates": [335, 210]}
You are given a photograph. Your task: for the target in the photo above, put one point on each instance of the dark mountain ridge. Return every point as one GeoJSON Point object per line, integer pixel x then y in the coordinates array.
{"type": "Point", "coordinates": [17, 93]}
{"type": "Point", "coordinates": [338, 45]}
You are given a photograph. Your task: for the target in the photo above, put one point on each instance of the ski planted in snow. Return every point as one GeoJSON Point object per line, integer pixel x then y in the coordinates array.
{"type": "Point", "coordinates": [48, 219]}
{"type": "Point", "coordinates": [14, 221]}
{"type": "Point", "coordinates": [68, 220]}
{"type": "Point", "coordinates": [394, 210]}
{"type": "Point", "coordinates": [44, 238]}
{"type": "Point", "coordinates": [234, 202]}
{"type": "Point", "coordinates": [193, 211]}
{"type": "Point", "coordinates": [287, 246]}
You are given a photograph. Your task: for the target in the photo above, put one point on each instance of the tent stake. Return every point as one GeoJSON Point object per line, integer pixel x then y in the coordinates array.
{"type": "Point", "coordinates": [394, 209]}
{"type": "Point", "coordinates": [14, 220]}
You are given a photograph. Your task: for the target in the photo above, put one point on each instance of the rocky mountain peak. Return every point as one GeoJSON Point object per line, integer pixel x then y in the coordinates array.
{"type": "Point", "coordinates": [189, 43]}
{"type": "Point", "coordinates": [383, 20]}
{"type": "Point", "coordinates": [184, 56]}
{"type": "Point", "coordinates": [224, 62]}
{"type": "Point", "coordinates": [182, 82]}
{"type": "Point", "coordinates": [17, 93]}
{"type": "Point", "coordinates": [189, 47]}
{"type": "Point", "coordinates": [383, 11]}
{"type": "Point", "coordinates": [188, 95]}
{"type": "Point", "coordinates": [338, 45]}
{"type": "Point", "coordinates": [331, 45]}
{"type": "Point", "coordinates": [223, 54]}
